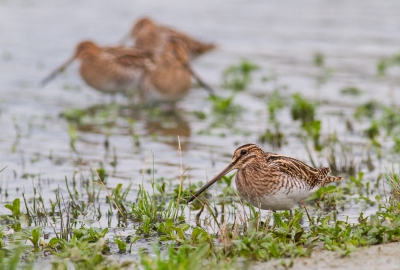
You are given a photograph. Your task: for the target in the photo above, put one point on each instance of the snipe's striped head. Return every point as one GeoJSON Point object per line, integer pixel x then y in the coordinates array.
{"type": "Point", "coordinates": [243, 155]}
{"type": "Point", "coordinates": [246, 154]}
{"type": "Point", "coordinates": [86, 48]}
{"type": "Point", "coordinates": [142, 24]}
{"type": "Point", "coordinates": [146, 34]}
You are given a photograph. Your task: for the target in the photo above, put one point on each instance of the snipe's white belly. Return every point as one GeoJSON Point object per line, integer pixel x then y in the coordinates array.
{"type": "Point", "coordinates": [281, 200]}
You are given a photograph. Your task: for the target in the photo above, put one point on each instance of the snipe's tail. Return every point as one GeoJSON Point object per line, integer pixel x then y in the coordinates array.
{"type": "Point", "coordinates": [325, 178]}
{"type": "Point", "coordinates": [331, 179]}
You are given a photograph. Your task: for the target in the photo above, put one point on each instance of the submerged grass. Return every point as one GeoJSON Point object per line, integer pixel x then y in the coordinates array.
{"type": "Point", "coordinates": [238, 77]}
{"type": "Point", "coordinates": [384, 63]}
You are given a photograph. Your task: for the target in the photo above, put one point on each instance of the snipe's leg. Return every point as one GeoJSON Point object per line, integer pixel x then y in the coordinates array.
{"type": "Point", "coordinates": [305, 207]}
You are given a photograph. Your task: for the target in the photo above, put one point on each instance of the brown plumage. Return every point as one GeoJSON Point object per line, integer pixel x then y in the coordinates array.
{"type": "Point", "coordinates": [149, 35]}
{"type": "Point", "coordinates": [160, 77]}
{"type": "Point", "coordinates": [272, 181]}
{"type": "Point", "coordinates": [107, 69]}
{"type": "Point", "coordinates": [168, 79]}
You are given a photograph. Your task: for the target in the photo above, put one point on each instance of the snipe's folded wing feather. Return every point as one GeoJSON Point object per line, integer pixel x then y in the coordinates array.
{"type": "Point", "coordinates": [132, 59]}
{"type": "Point", "coordinates": [195, 46]}
{"type": "Point", "coordinates": [293, 167]}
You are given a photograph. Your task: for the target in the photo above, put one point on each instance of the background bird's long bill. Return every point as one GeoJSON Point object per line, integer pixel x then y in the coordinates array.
{"type": "Point", "coordinates": [212, 181]}
{"type": "Point", "coordinates": [57, 71]}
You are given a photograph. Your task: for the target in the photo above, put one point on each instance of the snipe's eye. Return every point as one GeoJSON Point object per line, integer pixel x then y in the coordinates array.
{"type": "Point", "coordinates": [243, 152]}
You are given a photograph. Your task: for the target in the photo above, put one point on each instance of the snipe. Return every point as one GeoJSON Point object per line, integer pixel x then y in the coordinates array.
{"type": "Point", "coordinates": [168, 78]}
{"type": "Point", "coordinates": [107, 69]}
{"type": "Point", "coordinates": [160, 77]}
{"type": "Point", "coordinates": [272, 181]}
{"type": "Point", "coordinates": [150, 35]}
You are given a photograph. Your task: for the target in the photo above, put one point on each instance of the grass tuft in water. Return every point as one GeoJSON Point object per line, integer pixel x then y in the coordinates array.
{"type": "Point", "coordinates": [384, 63]}
{"type": "Point", "coordinates": [367, 110]}
{"type": "Point", "coordinates": [302, 109]}
{"type": "Point", "coordinates": [393, 180]}
{"type": "Point", "coordinates": [238, 77]}
{"type": "Point", "coordinates": [351, 91]}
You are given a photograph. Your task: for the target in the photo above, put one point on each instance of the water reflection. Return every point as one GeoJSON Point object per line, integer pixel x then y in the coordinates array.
{"type": "Point", "coordinates": [168, 125]}
{"type": "Point", "coordinates": [132, 120]}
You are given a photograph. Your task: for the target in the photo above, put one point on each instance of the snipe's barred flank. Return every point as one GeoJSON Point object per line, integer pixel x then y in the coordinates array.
{"type": "Point", "coordinates": [272, 181]}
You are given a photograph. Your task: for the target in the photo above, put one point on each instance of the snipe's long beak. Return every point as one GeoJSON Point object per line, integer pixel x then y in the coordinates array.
{"type": "Point", "coordinates": [57, 71]}
{"type": "Point", "coordinates": [212, 181]}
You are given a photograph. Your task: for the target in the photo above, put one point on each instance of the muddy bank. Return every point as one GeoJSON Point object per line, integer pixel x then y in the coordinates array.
{"type": "Point", "coordinates": [374, 257]}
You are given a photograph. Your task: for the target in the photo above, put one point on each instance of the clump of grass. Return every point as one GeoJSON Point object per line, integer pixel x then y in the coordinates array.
{"type": "Point", "coordinates": [15, 208]}
{"type": "Point", "coordinates": [274, 104]}
{"type": "Point", "coordinates": [393, 181]}
{"type": "Point", "coordinates": [35, 235]}
{"type": "Point", "coordinates": [396, 146]}
{"type": "Point", "coordinates": [185, 257]}
{"type": "Point", "coordinates": [259, 243]}
{"type": "Point", "coordinates": [302, 109]}
{"type": "Point", "coordinates": [351, 90]}
{"type": "Point", "coordinates": [324, 72]}
{"type": "Point", "coordinates": [119, 196]}
{"type": "Point", "coordinates": [313, 130]}
{"type": "Point", "coordinates": [75, 115]}
{"type": "Point", "coordinates": [14, 260]}
{"type": "Point", "coordinates": [238, 77]}
{"type": "Point", "coordinates": [200, 115]}
{"type": "Point", "coordinates": [149, 211]}
{"type": "Point", "coordinates": [100, 173]}
{"type": "Point", "coordinates": [390, 119]}
{"type": "Point", "coordinates": [121, 243]}
{"type": "Point", "coordinates": [372, 132]}
{"type": "Point", "coordinates": [358, 181]}
{"type": "Point", "coordinates": [83, 255]}
{"type": "Point", "coordinates": [384, 63]}
{"type": "Point", "coordinates": [274, 137]}
{"type": "Point", "coordinates": [367, 110]}
{"type": "Point", "coordinates": [319, 59]}
{"type": "Point", "coordinates": [225, 111]}
{"type": "Point", "coordinates": [224, 106]}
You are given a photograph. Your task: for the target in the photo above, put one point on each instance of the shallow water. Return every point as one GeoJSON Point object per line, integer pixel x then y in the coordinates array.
{"type": "Point", "coordinates": [281, 37]}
